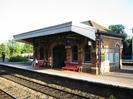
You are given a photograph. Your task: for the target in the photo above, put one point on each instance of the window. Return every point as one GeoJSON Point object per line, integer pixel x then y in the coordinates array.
{"type": "Point", "coordinates": [74, 54]}
{"type": "Point", "coordinates": [112, 57]}
{"type": "Point", "coordinates": [117, 57]}
{"type": "Point", "coordinates": [87, 53]}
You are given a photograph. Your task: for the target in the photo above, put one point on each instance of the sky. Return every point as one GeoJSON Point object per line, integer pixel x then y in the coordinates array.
{"type": "Point", "coordinates": [20, 16]}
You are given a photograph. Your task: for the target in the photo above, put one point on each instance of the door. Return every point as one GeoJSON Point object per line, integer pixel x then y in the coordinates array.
{"type": "Point", "coordinates": [59, 56]}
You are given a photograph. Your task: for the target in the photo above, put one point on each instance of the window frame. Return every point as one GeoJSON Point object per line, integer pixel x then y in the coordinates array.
{"type": "Point", "coordinates": [89, 51]}
{"type": "Point", "coordinates": [73, 52]}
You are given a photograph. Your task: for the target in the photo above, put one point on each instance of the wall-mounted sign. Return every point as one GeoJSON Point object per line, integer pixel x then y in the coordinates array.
{"type": "Point", "coordinates": [116, 57]}
{"type": "Point", "coordinates": [70, 42]}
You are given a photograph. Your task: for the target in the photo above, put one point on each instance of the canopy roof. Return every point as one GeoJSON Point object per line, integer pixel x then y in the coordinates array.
{"type": "Point", "coordinates": [86, 28]}
{"type": "Point", "coordinates": [78, 28]}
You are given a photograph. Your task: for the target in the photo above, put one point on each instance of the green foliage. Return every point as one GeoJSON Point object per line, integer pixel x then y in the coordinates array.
{"type": "Point", "coordinates": [13, 48]}
{"type": "Point", "coordinates": [7, 52]}
{"type": "Point", "coordinates": [127, 50]}
{"type": "Point", "coordinates": [18, 59]}
{"type": "Point", "coordinates": [120, 29]}
{"type": "Point", "coordinates": [2, 49]}
{"type": "Point", "coordinates": [117, 28]}
{"type": "Point", "coordinates": [27, 48]}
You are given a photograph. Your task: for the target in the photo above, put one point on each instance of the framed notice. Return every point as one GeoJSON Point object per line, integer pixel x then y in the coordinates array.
{"type": "Point", "coordinates": [111, 57]}
{"type": "Point", "coordinates": [116, 57]}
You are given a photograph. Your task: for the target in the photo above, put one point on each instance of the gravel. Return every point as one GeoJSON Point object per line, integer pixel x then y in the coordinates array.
{"type": "Point", "coordinates": [21, 92]}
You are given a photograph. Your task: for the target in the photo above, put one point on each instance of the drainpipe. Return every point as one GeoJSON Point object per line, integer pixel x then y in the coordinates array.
{"type": "Point", "coordinates": [100, 41]}
{"type": "Point", "coordinates": [98, 37]}
{"type": "Point", "coordinates": [132, 48]}
{"type": "Point", "coordinates": [132, 45]}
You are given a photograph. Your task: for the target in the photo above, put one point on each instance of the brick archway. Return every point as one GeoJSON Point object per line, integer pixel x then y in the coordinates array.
{"type": "Point", "coordinates": [59, 56]}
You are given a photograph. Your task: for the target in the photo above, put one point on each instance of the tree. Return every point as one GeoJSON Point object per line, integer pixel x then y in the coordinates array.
{"type": "Point", "coordinates": [2, 49]}
{"type": "Point", "coordinates": [120, 29]}
{"type": "Point", "coordinates": [14, 47]}
{"type": "Point", "coordinates": [7, 52]}
{"type": "Point", "coordinates": [117, 28]}
{"type": "Point", "coordinates": [129, 47]}
{"type": "Point", "coordinates": [27, 48]}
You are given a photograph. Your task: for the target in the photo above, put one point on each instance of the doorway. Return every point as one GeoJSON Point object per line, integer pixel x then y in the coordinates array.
{"type": "Point", "coordinates": [41, 53]}
{"type": "Point", "coordinates": [59, 56]}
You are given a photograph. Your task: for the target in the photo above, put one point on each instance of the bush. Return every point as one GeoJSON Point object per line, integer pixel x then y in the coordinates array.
{"type": "Point", "coordinates": [18, 59]}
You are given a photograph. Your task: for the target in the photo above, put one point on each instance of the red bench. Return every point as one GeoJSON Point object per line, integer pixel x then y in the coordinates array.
{"type": "Point", "coordinates": [72, 67]}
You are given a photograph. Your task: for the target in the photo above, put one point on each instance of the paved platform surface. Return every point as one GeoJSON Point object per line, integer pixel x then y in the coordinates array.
{"type": "Point", "coordinates": [127, 62]}
{"type": "Point", "coordinates": [122, 78]}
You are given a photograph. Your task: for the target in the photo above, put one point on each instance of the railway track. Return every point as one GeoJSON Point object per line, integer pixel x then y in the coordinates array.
{"type": "Point", "coordinates": [5, 95]}
{"type": "Point", "coordinates": [50, 91]}
{"type": "Point", "coordinates": [81, 89]}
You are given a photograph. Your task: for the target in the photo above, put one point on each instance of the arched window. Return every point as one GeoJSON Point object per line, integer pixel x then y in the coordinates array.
{"type": "Point", "coordinates": [87, 50]}
{"type": "Point", "coordinates": [74, 53]}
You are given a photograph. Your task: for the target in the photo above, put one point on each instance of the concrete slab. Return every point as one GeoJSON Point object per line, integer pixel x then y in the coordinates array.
{"type": "Point", "coordinates": [118, 78]}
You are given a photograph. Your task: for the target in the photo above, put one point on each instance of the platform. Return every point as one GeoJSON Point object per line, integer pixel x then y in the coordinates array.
{"type": "Point", "coordinates": [127, 62]}
{"type": "Point", "coordinates": [121, 78]}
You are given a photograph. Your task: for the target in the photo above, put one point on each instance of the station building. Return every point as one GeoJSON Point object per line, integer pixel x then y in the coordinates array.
{"type": "Point", "coordinates": [92, 47]}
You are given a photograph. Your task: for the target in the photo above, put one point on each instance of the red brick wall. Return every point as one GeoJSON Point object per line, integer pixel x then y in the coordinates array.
{"type": "Point", "coordinates": [55, 42]}
{"type": "Point", "coordinates": [80, 56]}
{"type": "Point", "coordinates": [69, 55]}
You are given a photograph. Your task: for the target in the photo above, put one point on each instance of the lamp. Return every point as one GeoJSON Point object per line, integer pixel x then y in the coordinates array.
{"type": "Point", "coordinates": [106, 46]}
{"type": "Point", "coordinates": [89, 43]}
{"type": "Point", "coordinates": [97, 35]}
